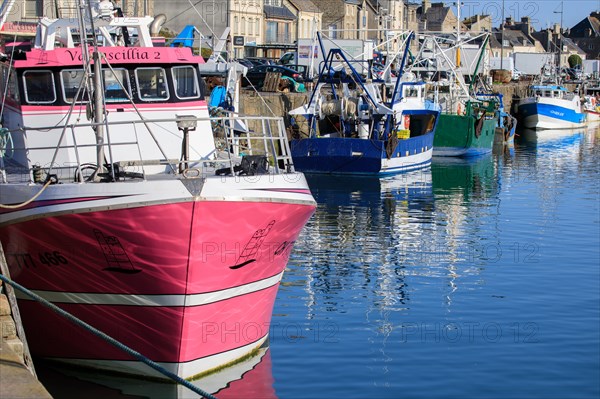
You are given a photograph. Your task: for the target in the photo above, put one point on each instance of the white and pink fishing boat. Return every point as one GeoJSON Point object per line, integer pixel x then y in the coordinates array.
{"type": "Point", "coordinates": [123, 203]}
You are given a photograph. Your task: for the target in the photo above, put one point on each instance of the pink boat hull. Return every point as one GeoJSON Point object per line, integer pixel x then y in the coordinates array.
{"type": "Point", "coordinates": [180, 283]}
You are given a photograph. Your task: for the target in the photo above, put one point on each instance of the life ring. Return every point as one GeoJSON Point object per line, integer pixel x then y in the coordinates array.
{"type": "Point", "coordinates": [407, 121]}
{"type": "Point", "coordinates": [459, 109]}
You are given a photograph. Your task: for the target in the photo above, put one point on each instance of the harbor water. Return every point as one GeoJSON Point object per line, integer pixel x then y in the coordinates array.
{"type": "Point", "coordinates": [471, 278]}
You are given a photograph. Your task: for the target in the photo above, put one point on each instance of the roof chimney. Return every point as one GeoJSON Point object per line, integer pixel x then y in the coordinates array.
{"type": "Point", "coordinates": [426, 6]}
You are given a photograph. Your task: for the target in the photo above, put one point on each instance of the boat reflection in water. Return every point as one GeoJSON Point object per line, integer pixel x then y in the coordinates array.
{"type": "Point", "coordinates": [251, 378]}
{"type": "Point", "coordinates": [554, 155]}
{"type": "Point", "coordinates": [366, 256]}
{"type": "Point", "coordinates": [555, 139]}
{"type": "Point", "coordinates": [466, 179]}
{"type": "Point", "coordinates": [387, 227]}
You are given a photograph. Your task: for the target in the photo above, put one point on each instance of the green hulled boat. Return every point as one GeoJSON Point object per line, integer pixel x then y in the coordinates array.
{"type": "Point", "coordinates": [467, 125]}
{"type": "Point", "coordinates": [466, 135]}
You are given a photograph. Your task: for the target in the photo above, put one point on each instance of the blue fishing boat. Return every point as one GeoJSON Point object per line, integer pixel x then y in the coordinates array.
{"type": "Point", "coordinates": [551, 107]}
{"type": "Point", "coordinates": [353, 129]}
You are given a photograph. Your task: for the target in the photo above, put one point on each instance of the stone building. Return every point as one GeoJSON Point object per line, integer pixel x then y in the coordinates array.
{"type": "Point", "coordinates": [438, 18]}
{"type": "Point", "coordinates": [308, 17]}
{"type": "Point", "coordinates": [515, 41]}
{"type": "Point", "coordinates": [478, 23]}
{"type": "Point", "coordinates": [553, 41]}
{"type": "Point", "coordinates": [280, 33]}
{"type": "Point", "coordinates": [340, 18]}
{"type": "Point", "coordinates": [586, 34]}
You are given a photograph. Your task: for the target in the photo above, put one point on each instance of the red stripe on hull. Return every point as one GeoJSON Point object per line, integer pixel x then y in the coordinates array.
{"type": "Point", "coordinates": [163, 334]}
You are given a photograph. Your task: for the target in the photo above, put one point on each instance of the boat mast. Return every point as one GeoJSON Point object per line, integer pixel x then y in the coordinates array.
{"type": "Point", "coordinates": [483, 46]}
{"type": "Point", "coordinates": [458, 5]}
{"type": "Point", "coordinates": [95, 83]}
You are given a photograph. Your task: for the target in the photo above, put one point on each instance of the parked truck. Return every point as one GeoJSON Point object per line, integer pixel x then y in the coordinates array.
{"type": "Point", "coordinates": [532, 63]}
{"type": "Point", "coordinates": [591, 68]}
{"type": "Point", "coordinates": [309, 53]}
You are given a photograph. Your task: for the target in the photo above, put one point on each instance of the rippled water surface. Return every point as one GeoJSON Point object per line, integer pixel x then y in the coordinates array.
{"type": "Point", "coordinates": [472, 278]}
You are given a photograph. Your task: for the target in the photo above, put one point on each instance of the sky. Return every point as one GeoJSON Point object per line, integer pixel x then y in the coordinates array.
{"type": "Point", "coordinates": [543, 13]}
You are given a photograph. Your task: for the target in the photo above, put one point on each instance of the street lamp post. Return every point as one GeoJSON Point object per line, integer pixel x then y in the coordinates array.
{"type": "Point", "coordinates": [502, 39]}
{"type": "Point", "coordinates": [560, 34]}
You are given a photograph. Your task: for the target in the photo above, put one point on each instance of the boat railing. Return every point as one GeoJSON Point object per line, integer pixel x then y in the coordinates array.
{"type": "Point", "coordinates": [240, 145]}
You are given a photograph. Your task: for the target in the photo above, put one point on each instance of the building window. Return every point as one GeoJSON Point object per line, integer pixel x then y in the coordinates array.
{"type": "Point", "coordinates": [286, 33]}
{"type": "Point", "coordinates": [276, 3]}
{"type": "Point", "coordinates": [243, 26]}
{"type": "Point", "coordinates": [271, 32]}
{"type": "Point", "coordinates": [333, 31]}
{"type": "Point", "coordinates": [236, 25]}
{"type": "Point", "coordinates": [33, 8]}
{"type": "Point", "coordinates": [257, 26]}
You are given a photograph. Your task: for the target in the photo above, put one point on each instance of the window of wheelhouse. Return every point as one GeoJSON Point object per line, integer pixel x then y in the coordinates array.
{"type": "Point", "coordinates": [116, 85]}
{"type": "Point", "coordinates": [152, 84]}
{"type": "Point", "coordinates": [9, 75]}
{"type": "Point", "coordinates": [72, 80]}
{"type": "Point", "coordinates": [411, 91]}
{"type": "Point", "coordinates": [185, 81]}
{"type": "Point", "coordinates": [39, 87]}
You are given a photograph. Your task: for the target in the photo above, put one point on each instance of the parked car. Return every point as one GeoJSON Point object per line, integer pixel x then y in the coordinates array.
{"type": "Point", "coordinates": [256, 76]}
{"type": "Point", "coordinates": [301, 69]}
{"type": "Point", "coordinates": [247, 63]}
{"type": "Point", "coordinates": [287, 58]}
{"type": "Point", "coordinates": [256, 61]}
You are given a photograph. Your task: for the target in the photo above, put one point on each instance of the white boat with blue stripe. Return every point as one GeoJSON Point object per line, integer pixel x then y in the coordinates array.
{"type": "Point", "coordinates": [552, 107]}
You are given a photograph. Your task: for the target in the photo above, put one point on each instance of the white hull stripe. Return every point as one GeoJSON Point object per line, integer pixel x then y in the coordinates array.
{"type": "Point", "coordinates": [185, 370]}
{"type": "Point", "coordinates": [155, 300]}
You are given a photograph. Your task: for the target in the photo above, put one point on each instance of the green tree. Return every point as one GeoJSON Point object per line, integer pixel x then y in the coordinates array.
{"type": "Point", "coordinates": [206, 53]}
{"type": "Point", "coordinates": [574, 59]}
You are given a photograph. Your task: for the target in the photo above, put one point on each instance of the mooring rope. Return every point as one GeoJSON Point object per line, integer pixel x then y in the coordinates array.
{"type": "Point", "coordinates": [30, 200]}
{"type": "Point", "coordinates": [108, 338]}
